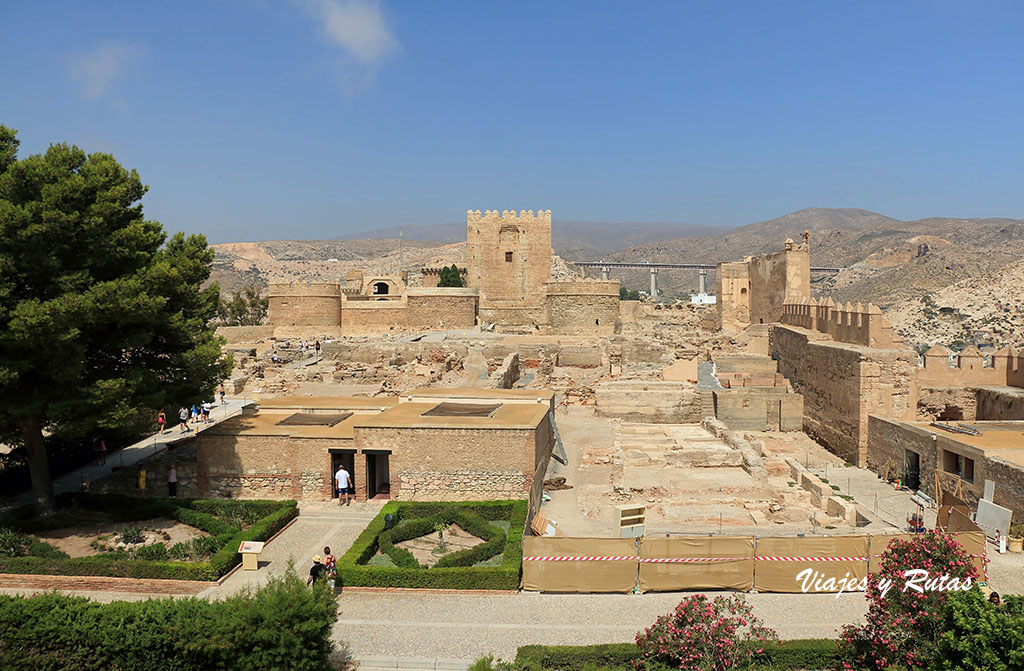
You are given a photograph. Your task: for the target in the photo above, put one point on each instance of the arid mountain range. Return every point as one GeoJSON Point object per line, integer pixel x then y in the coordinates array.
{"type": "Point", "coordinates": [938, 279]}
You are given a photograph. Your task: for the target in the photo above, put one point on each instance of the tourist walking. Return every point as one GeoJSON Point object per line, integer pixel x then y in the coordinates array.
{"type": "Point", "coordinates": [100, 450]}
{"type": "Point", "coordinates": [172, 481]}
{"type": "Point", "coordinates": [343, 480]}
{"type": "Point", "coordinates": [183, 416]}
{"type": "Point", "coordinates": [161, 420]}
{"type": "Point", "coordinates": [222, 394]}
{"type": "Point", "coordinates": [316, 571]}
{"type": "Point", "coordinates": [316, 346]}
{"type": "Point", "coordinates": [195, 413]}
{"type": "Point", "coordinates": [207, 406]}
{"type": "Point", "coordinates": [331, 564]}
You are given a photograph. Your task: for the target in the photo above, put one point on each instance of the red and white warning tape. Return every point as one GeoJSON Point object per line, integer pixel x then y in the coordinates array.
{"type": "Point", "coordinates": [633, 558]}
{"type": "Point", "coordinates": [810, 558]}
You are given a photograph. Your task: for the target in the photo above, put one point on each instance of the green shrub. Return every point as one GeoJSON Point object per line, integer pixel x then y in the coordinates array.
{"type": "Point", "coordinates": [13, 543]}
{"type": "Point", "coordinates": [576, 657]}
{"type": "Point", "coordinates": [799, 654]}
{"type": "Point", "coordinates": [38, 548]}
{"type": "Point", "coordinates": [132, 534]}
{"type": "Point", "coordinates": [221, 548]}
{"type": "Point", "coordinates": [454, 571]}
{"type": "Point", "coordinates": [282, 625]}
{"type": "Point", "coordinates": [154, 552]}
{"type": "Point", "coordinates": [976, 634]}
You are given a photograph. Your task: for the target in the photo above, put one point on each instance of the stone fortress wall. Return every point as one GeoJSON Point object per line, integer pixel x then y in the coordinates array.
{"type": "Point", "coordinates": [755, 290]}
{"type": "Point", "coordinates": [508, 284]}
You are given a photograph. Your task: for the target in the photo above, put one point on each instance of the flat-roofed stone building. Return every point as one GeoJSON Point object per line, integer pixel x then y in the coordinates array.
{"type": "Point", "coordinates": [428, 445]}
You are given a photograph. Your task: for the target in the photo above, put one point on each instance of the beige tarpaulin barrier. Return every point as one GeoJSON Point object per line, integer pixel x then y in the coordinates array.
{"type": "Point", "coordinates": [878, 546]}
{"type": "Point", "coordinates": [958, 522]}
{"type": "Point", "coordinates": [831, 563]}
{"type": "Point", "coordinates": [697, 562]}
{"type": "Point", "coordinates": [950, 502]}
{"type": "Point", "coordinates": [974, 543]}
{"type": "Point", "coordinates": [579, 564]}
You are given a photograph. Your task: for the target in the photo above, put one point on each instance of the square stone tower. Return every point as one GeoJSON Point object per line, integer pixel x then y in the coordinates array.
{"type": "Point", "coordinates": [508, 255]}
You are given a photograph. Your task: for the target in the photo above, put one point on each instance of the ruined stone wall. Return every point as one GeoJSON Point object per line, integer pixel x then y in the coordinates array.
{"type": "Point", "coordinates": [508, 255]}
{"type": "Point", "coordinates": [454, 464]}
{"type": "Point", "coordinates": [442, 308]}
{"type": "Point", "coordinates": [947, 404]}
{"type": "Point", "coordinates": [842, 384]}
{"type": "Point", "coordinates": [359, 317]}
{"type": "Point", "coordinates": [514, 316]}
{"type": "Point", "coordinates": [264, 467]}
{"type": "Point", "coordinates": [304, 305]}
{"type": "Point", "coordinates": [776, 278]}
{"type": "Point", "coordinates": [732, 282]}
{"type": "Point", "coordinates": [245, 334]}
{"type": "Point", "coordinates": [759, 409]}
{"type": "Point", "coordinates": [582, 308]}
{"type": "Point", "coordinates": [996, 404]}
{"type": "Point", "coordinates": [649, 401]}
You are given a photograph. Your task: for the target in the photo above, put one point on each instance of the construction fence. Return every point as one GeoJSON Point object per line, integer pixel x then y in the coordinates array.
{"type": "Point", "coordinates": [739, 563]}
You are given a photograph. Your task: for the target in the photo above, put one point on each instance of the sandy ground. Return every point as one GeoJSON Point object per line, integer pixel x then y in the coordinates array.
{"type": "Point", "coordinates": [76, 540]}
{"type": "Point", "coordinates": [455, 537]}
{"type": "Point", "coordinates": [607, 468]}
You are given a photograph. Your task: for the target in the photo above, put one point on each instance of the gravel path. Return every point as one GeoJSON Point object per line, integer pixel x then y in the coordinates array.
{"type": "Point", "coordinates": [469, 626]}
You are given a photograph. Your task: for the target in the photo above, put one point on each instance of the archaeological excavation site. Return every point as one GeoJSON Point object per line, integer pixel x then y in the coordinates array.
{"type": "Point", "coordinates": [754, 413]}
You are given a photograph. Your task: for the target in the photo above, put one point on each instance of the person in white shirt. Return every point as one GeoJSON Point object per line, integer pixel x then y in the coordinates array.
{"type": "Point", "coordinates": [344, 483]}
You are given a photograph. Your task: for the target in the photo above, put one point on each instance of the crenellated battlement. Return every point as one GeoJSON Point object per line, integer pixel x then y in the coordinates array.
{"type": "Point", "coordinates": [508, 216]}
{"type": "Point", "coordinates": [857, 324]}
{"type": "Point", "coordinates": [276, 289]}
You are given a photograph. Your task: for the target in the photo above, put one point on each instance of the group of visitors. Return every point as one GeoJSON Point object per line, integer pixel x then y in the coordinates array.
{"type": "Point", "coordinates": [199, 412]}
{"type": "Point", "coordinates": [325, 567]}
{"type": "Point", "coordinates": [172, 480]}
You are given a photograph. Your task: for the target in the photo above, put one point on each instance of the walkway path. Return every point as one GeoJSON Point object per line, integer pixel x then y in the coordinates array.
{"type": "Point", "coordinates": [133, 454]}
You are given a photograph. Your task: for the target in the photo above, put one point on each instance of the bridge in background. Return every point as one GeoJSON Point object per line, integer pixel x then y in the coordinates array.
{"type": "Point", "coordinates": [703, 269]}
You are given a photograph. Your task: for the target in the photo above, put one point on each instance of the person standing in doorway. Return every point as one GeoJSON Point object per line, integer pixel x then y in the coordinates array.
{"type": "Point", "coordinates": [183, 416]}
{"type": "Point", "coordinates": [343, 480]}
{"type": "Point", "coordinates": [172, 481]}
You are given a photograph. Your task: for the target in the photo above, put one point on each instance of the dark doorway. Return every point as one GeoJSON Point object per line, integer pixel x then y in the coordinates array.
{"type": "Point", "coordinates": [378, 477]}
{"type": "Point", "coordinates": [380, 288]}
{"type": "Point", "coordinates": [912, 470]}
{"type": "Point", "coordinates": [348, 461]}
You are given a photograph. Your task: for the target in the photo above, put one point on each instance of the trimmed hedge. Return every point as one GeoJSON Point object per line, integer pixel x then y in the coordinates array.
{"type": "Point", "coordinates": [194, 512]}
{"type": "Point", "coordinates": [283, 625]}
{"type": "Point", "coordinates": [810, 653]}
{"type": "Point", "coordinates": [455, 571]}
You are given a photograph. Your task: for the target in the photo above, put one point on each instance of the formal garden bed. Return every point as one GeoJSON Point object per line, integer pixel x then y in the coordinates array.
{"type": "Point", "coordinates": [449, 545]}
{"type": "Point", "coordinates": [119, 536]}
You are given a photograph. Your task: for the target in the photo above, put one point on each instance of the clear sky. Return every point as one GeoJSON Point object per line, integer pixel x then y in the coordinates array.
{"type": "Point", "coordinates": [303, 119]}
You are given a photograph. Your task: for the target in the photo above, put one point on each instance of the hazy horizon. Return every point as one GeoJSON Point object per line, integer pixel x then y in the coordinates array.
{"type": "Point", "coordinates": [316, 119]}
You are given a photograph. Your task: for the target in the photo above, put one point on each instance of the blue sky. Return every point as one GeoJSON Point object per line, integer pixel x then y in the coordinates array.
{"type": "Point", "coordinates": [309, 119]}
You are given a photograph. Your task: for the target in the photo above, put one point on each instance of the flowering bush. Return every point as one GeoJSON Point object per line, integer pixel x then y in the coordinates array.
{"type": "Point", "coordinates": [703, 634]}
{"type": "Point", "coordinates": [906, 606]}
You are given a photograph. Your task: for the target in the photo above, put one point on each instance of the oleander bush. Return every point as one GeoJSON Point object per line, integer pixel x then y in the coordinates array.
{"type": "Point", "coordinates": [283, 625]}
{"type": "Point", "coordinates": [458, 570]}
{"type": "Point", "coordinates": [204, 558]}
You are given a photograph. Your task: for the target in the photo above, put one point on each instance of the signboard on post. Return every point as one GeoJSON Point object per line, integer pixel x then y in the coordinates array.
{"type": "Point", "coordinates": [250, 551]}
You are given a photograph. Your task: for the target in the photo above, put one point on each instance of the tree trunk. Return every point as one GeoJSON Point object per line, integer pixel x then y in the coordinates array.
{"type": "Point", "coordinates": [38, 466]}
